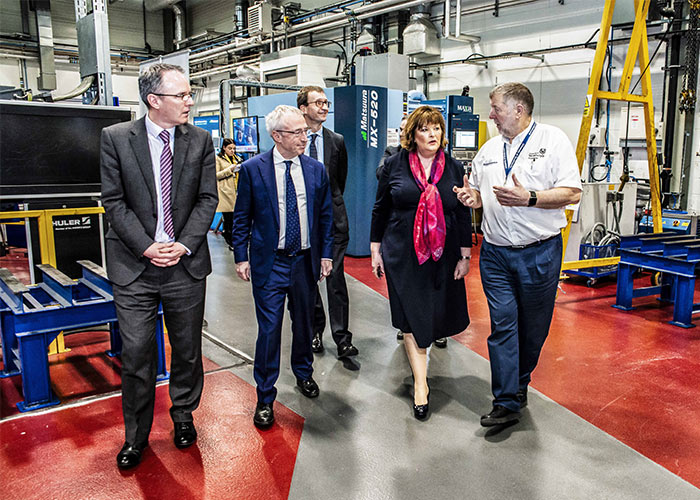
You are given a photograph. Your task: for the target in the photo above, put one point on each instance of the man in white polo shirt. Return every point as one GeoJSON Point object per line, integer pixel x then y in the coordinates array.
{"type": "Point", "coordinates": [523, 180]}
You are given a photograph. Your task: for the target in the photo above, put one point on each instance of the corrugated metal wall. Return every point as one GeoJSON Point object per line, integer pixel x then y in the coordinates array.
{"type": "Point", "coordinates": [125, 23]}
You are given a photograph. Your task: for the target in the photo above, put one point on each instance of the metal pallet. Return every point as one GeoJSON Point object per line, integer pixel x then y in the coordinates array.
{"type": "Point", "coordinates": [676, 257]}
{"type": "Point", "coordinates": [33, 316]}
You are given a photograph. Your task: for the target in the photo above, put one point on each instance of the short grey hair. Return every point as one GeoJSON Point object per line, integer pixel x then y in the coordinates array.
{"type": "Point", "coordinates": [515, 91]}
{"type": "Point", "coordinates": [273, 119]}
{"type": "Point", "coordinates": [152, 78]}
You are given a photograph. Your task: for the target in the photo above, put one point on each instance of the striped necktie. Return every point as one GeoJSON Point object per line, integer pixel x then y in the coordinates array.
{"type": "Point", "coordinates": [166, 182]}
{"type": "Point", "coordinates": [292, 233]}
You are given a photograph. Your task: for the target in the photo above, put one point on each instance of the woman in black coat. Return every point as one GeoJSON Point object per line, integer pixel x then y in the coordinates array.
{"type": "Point", "coordinates": [421, 239]}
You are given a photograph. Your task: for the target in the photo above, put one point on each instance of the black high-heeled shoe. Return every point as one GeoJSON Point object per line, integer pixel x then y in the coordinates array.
{"type": "Point", "coordinates": [420, 412]}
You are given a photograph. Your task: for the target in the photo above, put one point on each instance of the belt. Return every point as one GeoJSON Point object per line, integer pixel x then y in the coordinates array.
{"type": "Point", "coordinates": [285, 253]}
{"type": "Point", "coordinates": [538, 242]}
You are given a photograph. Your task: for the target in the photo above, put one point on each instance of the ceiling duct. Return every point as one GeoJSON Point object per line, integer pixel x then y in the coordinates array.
{"type": "Point", "coordinates": [154, 5]}
{"type": "Point", "coordinates": [367, 38]}
{"type": "Point", "coordinates": [420, 38]}
{"type": "Point", "coordinates": [47, 69]}
{"type": "Point", "coordinates": [178, 15]}
{"type": "Point", "coordinates": [250, 73]}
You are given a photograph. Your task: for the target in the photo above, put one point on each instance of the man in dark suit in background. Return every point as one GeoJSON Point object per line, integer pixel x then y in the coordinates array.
{"type": "Point", "coordinates": [283, 241]}
{"type": "Point", "coordinates": [329, 148]}
{"type": "Point", "coordinates": [391, 151]}
{"type": "Point", "coordinates": [159, 195]}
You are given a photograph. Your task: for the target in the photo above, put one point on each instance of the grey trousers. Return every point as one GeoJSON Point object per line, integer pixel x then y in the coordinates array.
{"type": "Point", "coordinates": [182, 297]}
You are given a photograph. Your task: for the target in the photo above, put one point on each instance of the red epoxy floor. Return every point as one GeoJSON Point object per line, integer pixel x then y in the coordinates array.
{"type": "Point", "coordinates": [630, 374]}
{"type": "Point", "coordinates": [17, 262]}
{"type": "Point", "coordinates": [71, 453]}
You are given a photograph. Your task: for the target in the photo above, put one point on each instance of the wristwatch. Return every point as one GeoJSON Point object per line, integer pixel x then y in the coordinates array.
{"type": "Point", "coordinates": [533, 199]}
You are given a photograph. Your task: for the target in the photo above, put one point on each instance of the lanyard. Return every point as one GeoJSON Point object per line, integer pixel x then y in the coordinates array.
{"type": "Point", "coordinates": [517, 153]}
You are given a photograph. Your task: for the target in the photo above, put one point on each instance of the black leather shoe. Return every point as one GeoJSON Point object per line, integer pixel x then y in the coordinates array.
{"type": "Point", "coordinates": [399, 335]}
{"type": "Point", "coordinates": [521, 395]}
{"type": "Point", "coordinates": [264, 415]}
{"type": "Point", "coordinates": [308, 387]}
{"type": "Point", "coordinates": [345, 350]}
{"type": "Point", "coordinates": [499, 415]}
{"type": "Point", "coordinates": [185, 434]}
{"type": "Point", "coordinates": [317, 343]}
{"type": "Point", "coordinates": [130, 455]}
{"type": "Point", "coordinates": [441, 343]}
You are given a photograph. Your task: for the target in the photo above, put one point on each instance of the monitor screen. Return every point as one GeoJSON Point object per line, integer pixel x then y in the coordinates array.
{"type": "Point", "coordinates": [49, 150]}
{"type": "Point", "coordinates": [245, 134]}
{"type": "Point", "coordinates": [465, 139]}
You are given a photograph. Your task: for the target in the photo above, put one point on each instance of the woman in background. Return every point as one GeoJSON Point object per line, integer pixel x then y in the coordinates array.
{"type": "Point", "coordinates": [227, 165]}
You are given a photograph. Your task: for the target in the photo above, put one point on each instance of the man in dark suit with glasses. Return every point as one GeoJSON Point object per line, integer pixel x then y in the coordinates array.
{"type": "Point", "coordinates": [159, 194]}
{"type": "Point", "coordinates": [328, 147]}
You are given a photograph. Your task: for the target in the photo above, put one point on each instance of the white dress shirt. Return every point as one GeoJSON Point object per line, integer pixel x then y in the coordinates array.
{"type": "Point", "coordinates": [547, 161]}
{"type": "Point", "coordinates": [300, 188]}
{"type": "Point", "coordinates": [319, 143]}
{"type": "Point", "coordinates": [155, 146]}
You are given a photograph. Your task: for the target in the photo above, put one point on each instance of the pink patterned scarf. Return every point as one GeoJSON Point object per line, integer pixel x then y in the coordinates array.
{"type": "Point", "coordinates": [429, 224]}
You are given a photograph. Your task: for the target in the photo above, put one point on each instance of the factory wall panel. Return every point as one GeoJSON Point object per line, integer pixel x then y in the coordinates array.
{"type": "Point", "coordinates": [214, 15]}
{"type": "Point", "coordinates": [559, 82]}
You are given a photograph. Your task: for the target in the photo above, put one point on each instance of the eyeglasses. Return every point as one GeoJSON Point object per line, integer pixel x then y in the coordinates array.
{"type": "Point", "coordinates": [296, 133]}
{"type": "Point", "coordinates": [182, 95]}
{"type": "Point", "coordinates": [321, 103]}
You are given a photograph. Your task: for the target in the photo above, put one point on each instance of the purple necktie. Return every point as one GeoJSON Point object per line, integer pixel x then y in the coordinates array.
{"type": "Point", "coordinates": [166, 181]}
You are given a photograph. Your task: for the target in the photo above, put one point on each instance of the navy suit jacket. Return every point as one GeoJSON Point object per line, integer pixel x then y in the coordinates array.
{"type": "Point", "coordinates": [256, 218]}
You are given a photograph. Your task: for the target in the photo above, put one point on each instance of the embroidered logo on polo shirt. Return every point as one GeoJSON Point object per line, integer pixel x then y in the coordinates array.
{"type": "Point", "coordinates": [537, 154]}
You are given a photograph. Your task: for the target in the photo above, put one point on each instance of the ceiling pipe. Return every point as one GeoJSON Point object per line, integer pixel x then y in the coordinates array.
{"type": "Point", "coordinates": [228, 48]}
{"type": "Point", "coordinates": [458, 24]}
{"type": "Point", "coordinates": [324, 23]}
{"type": "Point", "coordinates": [179, 30]}
{"type": "Point", "coordinates": [223, 69]}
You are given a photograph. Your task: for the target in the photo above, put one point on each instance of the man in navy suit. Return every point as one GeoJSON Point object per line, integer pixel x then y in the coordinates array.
{"type": "Point", "coordinates": [284, 214]}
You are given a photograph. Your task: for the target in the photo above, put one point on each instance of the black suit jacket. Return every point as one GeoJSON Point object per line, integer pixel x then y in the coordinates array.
{"type": "Point", "coordinates": [335, 159]}
{"type": "Point", "coordinates": [389, 151]}
{"type": "Point", "coordinates": [129, 197]}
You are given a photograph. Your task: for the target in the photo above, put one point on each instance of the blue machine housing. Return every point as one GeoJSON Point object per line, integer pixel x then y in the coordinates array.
{"type": "Point", "coordinates": [362, 114]}
{"type": "Point", "coordinates": [674, 221]}
{"type": "Point", "coordinates": [462, 125]}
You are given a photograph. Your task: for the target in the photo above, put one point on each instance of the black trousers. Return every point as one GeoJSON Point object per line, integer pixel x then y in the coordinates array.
{"type": "Point", "coordinates": [227, 226]}
{"type": "Point", "coordinates": [182, 297]}
{"type": "Point", "coordinates": [338, 303]}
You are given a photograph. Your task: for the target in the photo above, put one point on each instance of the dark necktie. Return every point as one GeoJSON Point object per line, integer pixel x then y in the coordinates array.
{"type": "Point", "coordinates": [313, 152]}
{"type": "Point", "coordinates": [166, 181]}
{"type": "Point", "coordinates": [292, 228]}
